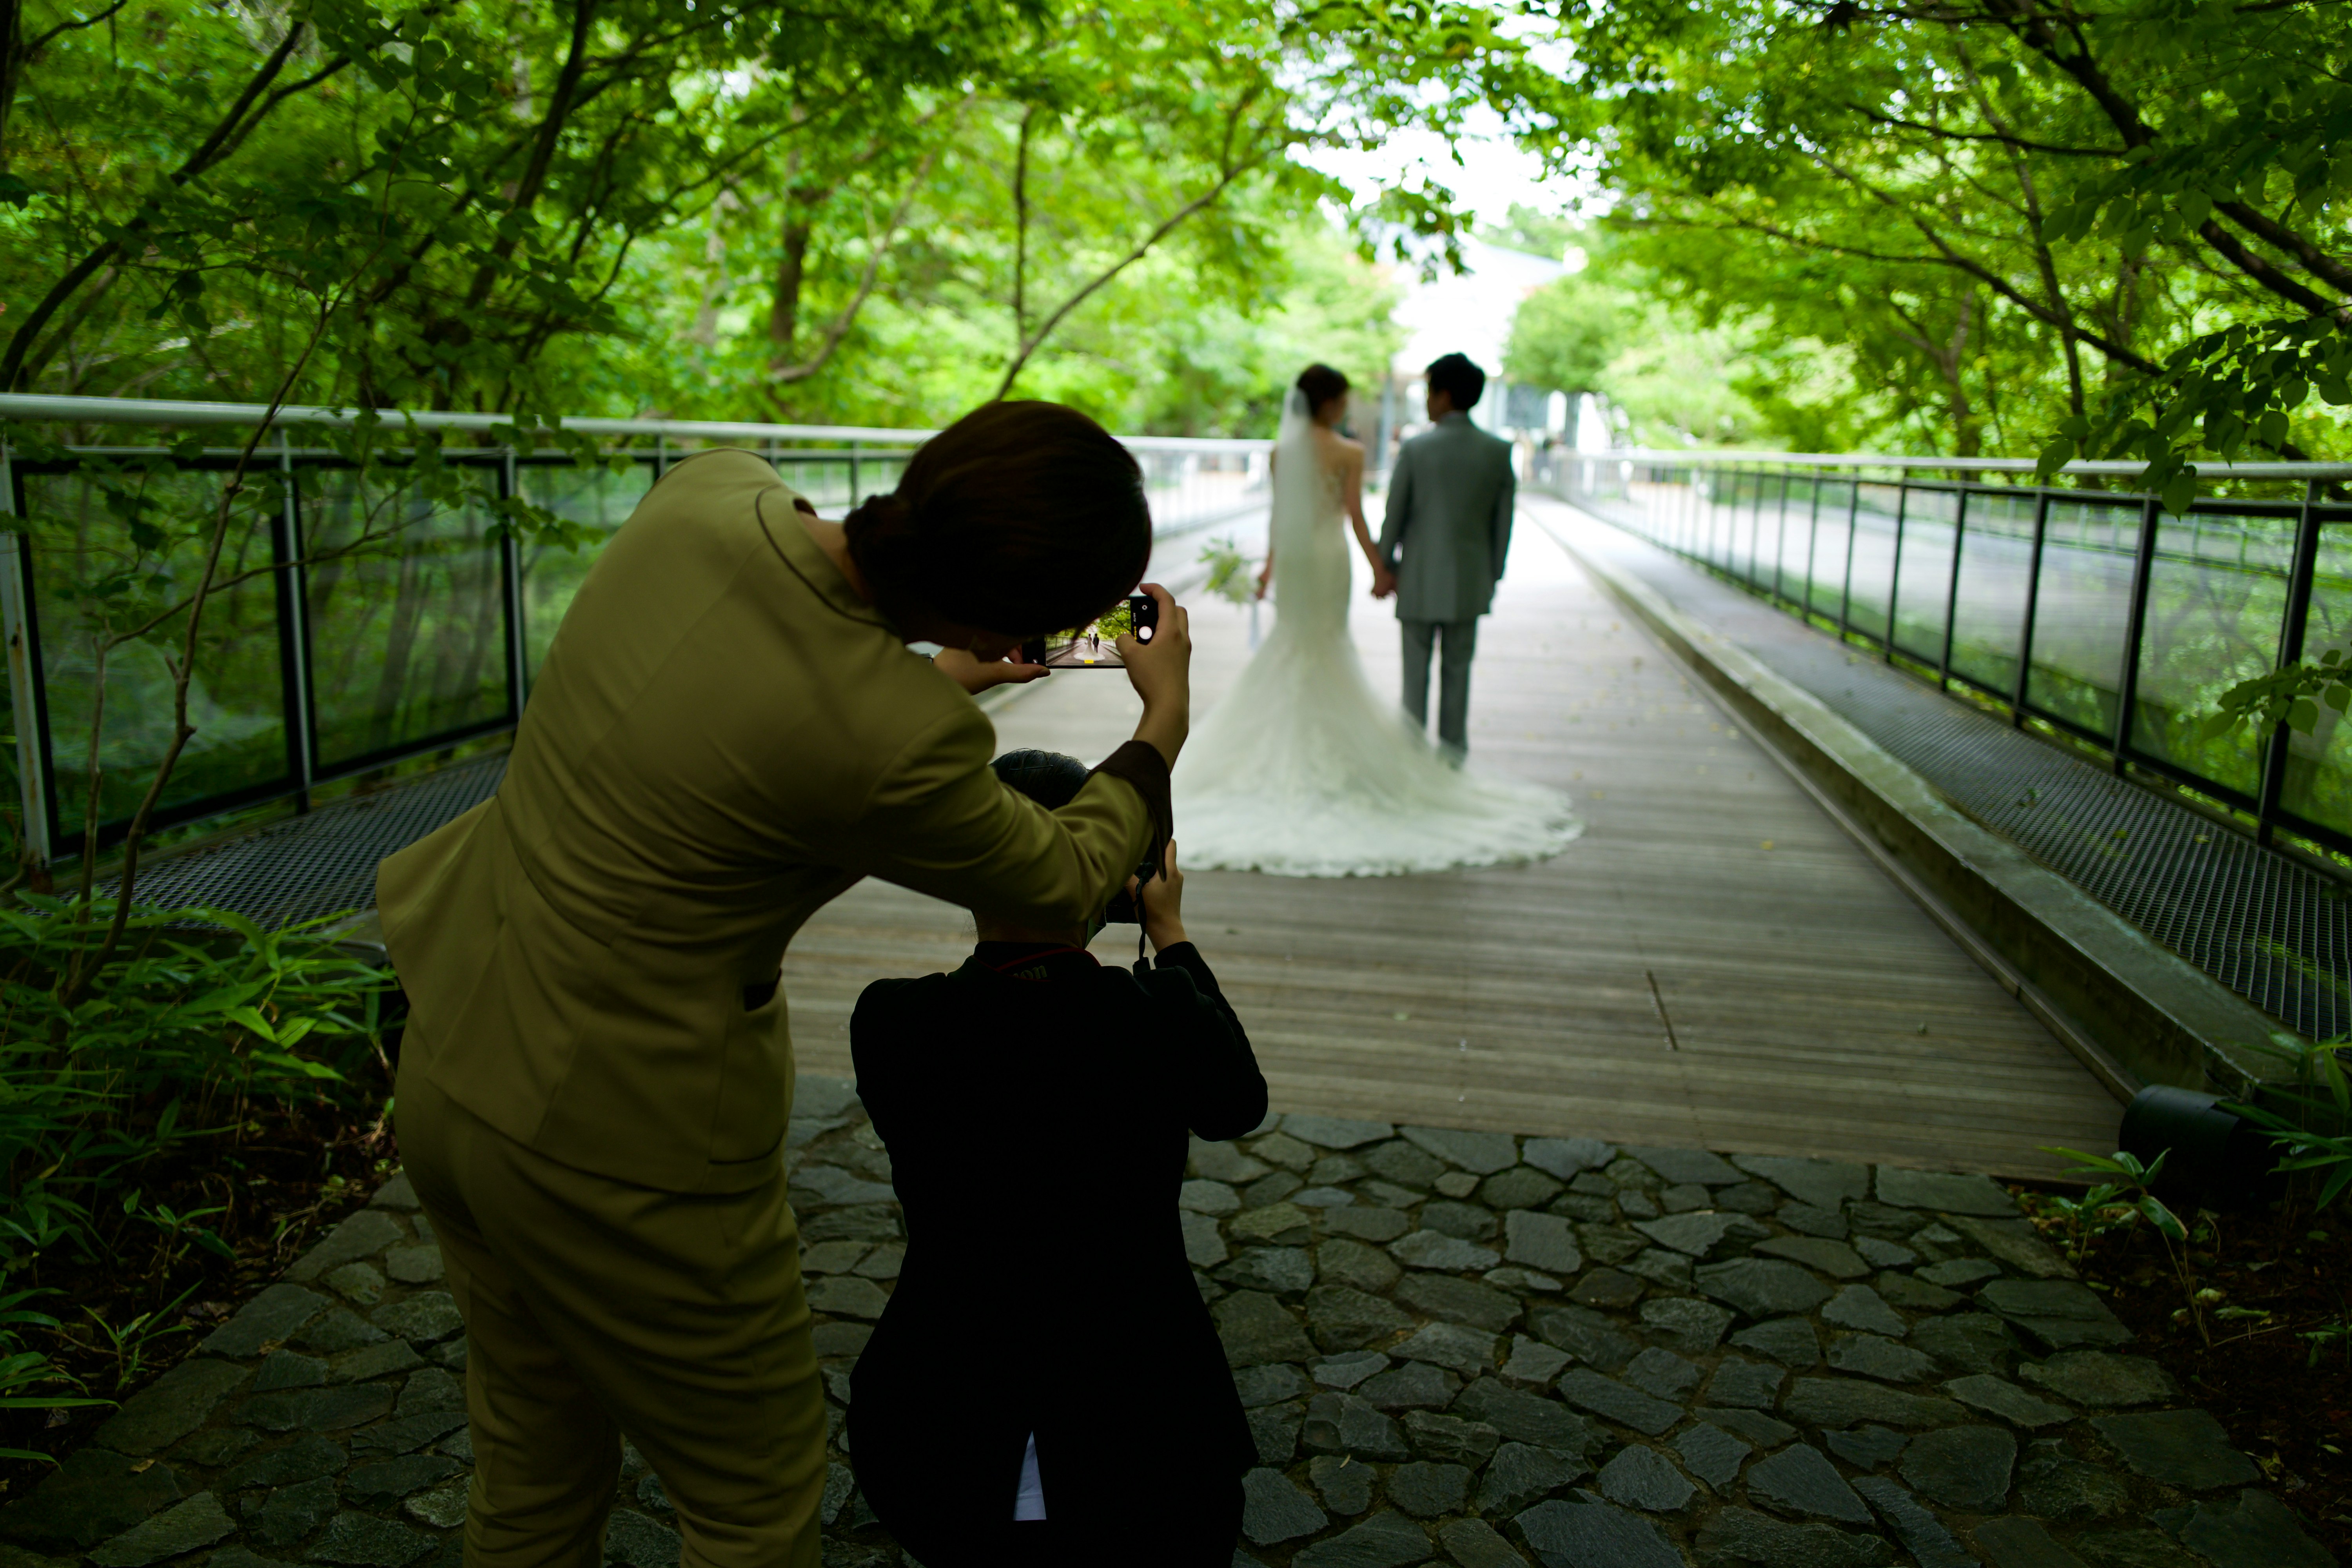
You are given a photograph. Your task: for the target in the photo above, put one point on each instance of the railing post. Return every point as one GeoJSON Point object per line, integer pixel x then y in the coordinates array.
{"type": "Point", "coordinates": [1845, 588]}
{"type": "Point", "coordinates": [2298, 612]}
{"type": "Point", "coordinates": [2032, 604]}
{"type": "Point", "coordinates": [294, 629]}
{"type": "Point", "coordinates": [511, 564]}
{"type": "Point", "coordinates": [1780, 538]}
{"type": "Point", "coordinates": [1755, 530]}
{"type": "Point", "coordinates": [1729, 519]}
{"type": "Point", "coordinates": [21, 627]}
{"type": "Point", "coordinates": [1952, 590]}
{"type": "Point", "coordinates": [2143, 564]}
{"type": "Point", "coordinates": [853, 476]}
{"type": "Point", "coordinates": [1812, 539]}
{"type": "Point", "coordinates": [1894, 574]}
{"type": "Point", "coordinates": [1728, 523]}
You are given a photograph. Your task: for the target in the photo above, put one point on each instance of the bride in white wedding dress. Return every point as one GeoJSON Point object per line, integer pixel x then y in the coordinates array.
{"type": "Point", "coordinates": [1303, 770]}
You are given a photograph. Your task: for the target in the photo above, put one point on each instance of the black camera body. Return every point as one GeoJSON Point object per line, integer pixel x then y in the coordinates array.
{"type": "Point", "coordinates": [1126, 908]}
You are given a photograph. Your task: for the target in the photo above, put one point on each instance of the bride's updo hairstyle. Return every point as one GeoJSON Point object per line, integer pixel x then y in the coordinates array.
{"type": "Point", "coordinates": [1322, 384]}
{"type": "Point", "coordinates": [1019, 518]}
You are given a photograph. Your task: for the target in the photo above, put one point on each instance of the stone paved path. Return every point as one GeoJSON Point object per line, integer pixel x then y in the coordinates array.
{"type": "Point", "coordinates": [1455, 1347]}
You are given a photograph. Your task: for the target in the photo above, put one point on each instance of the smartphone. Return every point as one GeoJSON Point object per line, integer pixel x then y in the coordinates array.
{"type": "Point", "coordinates": [1095, 646]}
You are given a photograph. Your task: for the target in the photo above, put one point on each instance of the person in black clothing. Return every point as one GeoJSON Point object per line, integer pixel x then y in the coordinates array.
{"type": "Point", "coordinates": [1045, 1386]}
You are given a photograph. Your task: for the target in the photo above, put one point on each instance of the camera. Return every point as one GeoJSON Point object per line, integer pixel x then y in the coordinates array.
{"type": "Point", "coordinates": [1095, 646]}
{"type": "Point", "coordinates": [1127, 909]}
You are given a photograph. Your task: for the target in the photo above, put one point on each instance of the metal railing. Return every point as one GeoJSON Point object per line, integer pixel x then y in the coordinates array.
{"type": "Point", "coordinates": [2092, 611]}
{"type": "Point", "coordinates": [322, 661]}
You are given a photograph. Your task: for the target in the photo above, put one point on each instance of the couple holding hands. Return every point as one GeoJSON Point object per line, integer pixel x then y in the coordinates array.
{"type": "Point", "coordinates": [729, 731]}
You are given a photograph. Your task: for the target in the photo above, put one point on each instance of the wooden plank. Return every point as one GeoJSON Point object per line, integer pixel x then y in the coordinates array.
{"type": "Point", "coordinates": [1815, 1010]}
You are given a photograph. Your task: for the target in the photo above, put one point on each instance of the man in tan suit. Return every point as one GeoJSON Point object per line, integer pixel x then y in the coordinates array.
{"type": "Point", "coordinates": [729, 731]}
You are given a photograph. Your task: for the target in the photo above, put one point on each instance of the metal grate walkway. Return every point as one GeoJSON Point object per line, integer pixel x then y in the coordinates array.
{"type": "Point", "coordinates": [2275, 932]}
{"type": "Point", "coordinates": [321, 863]}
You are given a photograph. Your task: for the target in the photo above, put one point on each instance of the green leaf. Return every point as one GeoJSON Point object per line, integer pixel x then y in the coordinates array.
{"type": "Point", "coordinates": [251, 1020]}
{"type": "Point", "coordinates": [2092, 1162]}
{"type": "Point", "coordinates": [2059, 452]}
{"type": "Point", "coordinates": [2180, 493]}
{"type": "Point", "coordinates": [2163, 1219]}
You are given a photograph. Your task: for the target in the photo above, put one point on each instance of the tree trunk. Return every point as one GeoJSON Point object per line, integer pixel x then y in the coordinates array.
{"type": "Point", "coordinates": [11, 65]}
{"type": "Point", "coordinates": [785, 316]}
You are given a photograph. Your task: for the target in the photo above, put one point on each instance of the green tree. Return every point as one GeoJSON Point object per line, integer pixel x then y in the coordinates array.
{"type": "Point", "coordinates": [1567, 334]}
{"type": "Point", "coordinates": [2106, 229]}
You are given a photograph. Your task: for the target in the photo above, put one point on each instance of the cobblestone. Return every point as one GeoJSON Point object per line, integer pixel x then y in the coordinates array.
{"type": "Point", "coordinates": [1438, 1335]}
{"type": "Point", "coordinates": [1964, 1467]}
{"type": "Point", "coordinates": [1345, 1486]}
{"type": "Point", "coordinates": [1801, 1479]}
{"type": "Point", "coordinates": [2094, 1377]}
{"type": "Point", "coordinates": [1646, 1479]}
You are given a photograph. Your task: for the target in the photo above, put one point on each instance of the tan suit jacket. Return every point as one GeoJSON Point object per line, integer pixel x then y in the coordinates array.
{"type": "Point", "coordinates": [723, 738]}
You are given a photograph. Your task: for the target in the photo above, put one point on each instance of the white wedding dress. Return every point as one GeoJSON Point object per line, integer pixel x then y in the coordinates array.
{"type": "Point", "coordinates": [1303, 770]}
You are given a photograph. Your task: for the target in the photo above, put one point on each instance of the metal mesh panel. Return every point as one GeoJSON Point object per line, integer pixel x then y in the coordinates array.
{"type": "Point", "coordinates": [322, 863]}
{"type": "Point", "coordinates": [2275, 932]}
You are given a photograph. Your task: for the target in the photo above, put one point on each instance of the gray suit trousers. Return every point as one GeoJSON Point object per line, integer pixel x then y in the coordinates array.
{"type": "Point", "coordinates": [1461, 644]}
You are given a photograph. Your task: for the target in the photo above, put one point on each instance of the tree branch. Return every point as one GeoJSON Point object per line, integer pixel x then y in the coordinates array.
{"type": "Point", "coordinates": [2045, 261]}
{"type": "Point", "coordinates": [1947, 256]}
{"type": "Point", "coordinates": [839, 327]}
{"type": "Point", "coordinates": [2004, 138]}
{"type": "Point", "coordinates": [184, 676]}
{"type": "Point", "coordinates": [224, 139]}
{"type": "Point", "coordinates": [542, 152]}
{"type": "Point", "coordinates": [2260, 270]}
{"type": "Point", "coordinates": [1228, 172]}
{"type": "Point", "coordinates": [2315, 260]}
{"type": "Point", "coordinates": [2121, 113]}
{"type": "Point", "coordinates": [1021, 229]}
{"type": "Point", "coordinates": [77, 24]}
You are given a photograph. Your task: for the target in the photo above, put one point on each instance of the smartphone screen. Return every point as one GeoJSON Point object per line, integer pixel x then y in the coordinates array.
{"type": "Point", "coordinates": [1091, 647]}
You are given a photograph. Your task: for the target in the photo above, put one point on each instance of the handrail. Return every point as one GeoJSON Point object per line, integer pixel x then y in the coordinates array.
{"type": "Point", "coordinates": [480, 590]}
{"type": "Point", "coordinates": [1707, 457]}
{"type": "Point", "coordinates": [2128, 662]}
{"type": "Point", "coordinates": [34, 408]}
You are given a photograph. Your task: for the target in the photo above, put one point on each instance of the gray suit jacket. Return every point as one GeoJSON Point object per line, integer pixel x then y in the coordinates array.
{"type": "Point", "coordinates": [1449, 520]}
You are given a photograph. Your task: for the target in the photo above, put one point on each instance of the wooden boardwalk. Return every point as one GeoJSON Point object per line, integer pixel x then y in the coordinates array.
{"type": "Point", "coordinates": [1814, 1008]}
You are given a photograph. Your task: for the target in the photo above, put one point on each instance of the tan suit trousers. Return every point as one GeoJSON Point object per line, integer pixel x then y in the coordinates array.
{"type": "Point", "coordinates": [594, 1307]}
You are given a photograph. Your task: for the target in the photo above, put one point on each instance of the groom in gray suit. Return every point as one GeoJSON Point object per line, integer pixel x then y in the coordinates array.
{"type": "Point", "coordinates": [1447, 530]}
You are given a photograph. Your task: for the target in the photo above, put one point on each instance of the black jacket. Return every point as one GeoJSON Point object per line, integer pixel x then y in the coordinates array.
{"type": "Point", "coordinates": [1036, 1106]}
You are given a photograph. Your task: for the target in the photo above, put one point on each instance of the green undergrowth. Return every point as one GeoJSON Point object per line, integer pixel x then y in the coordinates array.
{"type": "Point", "coordinates": [127, 1092]}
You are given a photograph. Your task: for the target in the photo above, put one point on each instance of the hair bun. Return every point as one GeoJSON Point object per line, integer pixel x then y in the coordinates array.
{"type": "Point", "coordinates": [1020, 518]}
{"type": "Point", "coordinates": [1322, 384]}
{"type": "Point", "coordinates": [875, 512]}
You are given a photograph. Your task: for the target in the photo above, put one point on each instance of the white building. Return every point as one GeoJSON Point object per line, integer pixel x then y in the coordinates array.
{"type": "Point", "coordinates": [1464, 312]}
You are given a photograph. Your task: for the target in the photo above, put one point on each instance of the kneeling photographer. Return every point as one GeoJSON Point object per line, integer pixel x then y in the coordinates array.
{"type": "Point", "coordinates": [977, 1412]}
